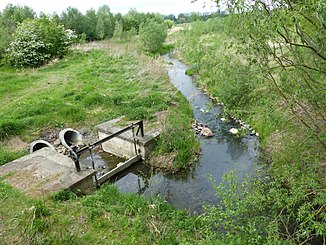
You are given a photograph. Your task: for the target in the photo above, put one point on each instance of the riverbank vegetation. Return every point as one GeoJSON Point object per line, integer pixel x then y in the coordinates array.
{"type": "Point", "coordinates": [266, 63]}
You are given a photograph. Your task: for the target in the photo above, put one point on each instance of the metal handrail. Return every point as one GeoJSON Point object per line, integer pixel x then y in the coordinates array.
{"type": "Point", "coordinates": [75, 154]}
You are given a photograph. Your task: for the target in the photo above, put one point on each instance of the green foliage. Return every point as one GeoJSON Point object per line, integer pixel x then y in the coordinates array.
{"type": "Point", "coordinates": [37, 41]}
{"type": "Point", "coordinates": [105, 23]}
{"type": "Point", "coordinates": [284, 207]}
{"type": "Point", "coordinates": [133, 20]}
{"type": "Point", "coordinates": [169, 23]}
{"type": "Point", "coordinates": [151, 36]}
{"type": "Point", "coordinates": [9, 19]}
{"type": "Point", "coordinates": [17, 13]}
{"type": "Point", "coordinates": [88, 25]}
{"type": "Point", "coordinates": [290, 51]}
{"type": "Point", "coordinates": [118, 30]}
{"type": "Point", "coordinates": [194, 17]}
{"type": "Point", "coordinates": [73, 19]}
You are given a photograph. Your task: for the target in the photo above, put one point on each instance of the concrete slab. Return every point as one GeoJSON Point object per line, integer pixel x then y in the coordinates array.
{"type": "Point", "coordinates": [120, 167]}
{"type": "Point", "coordinates": [46, 171]}
{"type": "Point", "coordinates": [123, 144]}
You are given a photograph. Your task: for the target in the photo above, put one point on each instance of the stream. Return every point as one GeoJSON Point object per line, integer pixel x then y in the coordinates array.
{"type": "Point", "coordinates": [219, 154]}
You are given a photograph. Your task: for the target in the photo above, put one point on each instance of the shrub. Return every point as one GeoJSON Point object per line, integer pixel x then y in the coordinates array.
{"type": "Point", "coordinates": [151, 36]}
{"type": "Point", "coordinates": [37, 41]}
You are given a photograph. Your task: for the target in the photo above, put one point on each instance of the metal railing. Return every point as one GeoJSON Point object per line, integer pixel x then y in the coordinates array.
{"type": "Point", "coordinates": [75, 153]}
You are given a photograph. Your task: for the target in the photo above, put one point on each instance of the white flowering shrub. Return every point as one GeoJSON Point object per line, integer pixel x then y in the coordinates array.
{"type": "Point", "coordinates": [37, 41]}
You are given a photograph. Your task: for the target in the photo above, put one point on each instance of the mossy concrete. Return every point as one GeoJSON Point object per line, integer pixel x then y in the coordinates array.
{"type": "Point", "coordinates": [46, 171]}
{"type": "Point", "coordinates": [124, 144]}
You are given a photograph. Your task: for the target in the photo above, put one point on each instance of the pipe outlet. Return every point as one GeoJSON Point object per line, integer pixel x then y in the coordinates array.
{"type": "Point", "coordinates": [39, 144]}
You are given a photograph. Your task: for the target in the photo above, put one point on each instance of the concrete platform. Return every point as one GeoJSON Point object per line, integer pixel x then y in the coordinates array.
{"type": "Point", "coordinates": [123, 145]}
{"type": "Point", "coordinates": [46, 171]}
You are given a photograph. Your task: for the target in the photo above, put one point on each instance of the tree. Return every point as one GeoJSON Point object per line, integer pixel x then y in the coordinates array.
{"type": "Point", "coordinates": [73, 19]}
{"type": "Point", "coordinates": [182, 18]}
{"type": "Point", "coordinates": [105, 23]}
{"type": "Point", "coordinates": [287, 39]}
{"type": "Point", "coordinates": [9, 19]}
{"type": "Point", "coordinates": [194, 17]}
{"type": "Point", "coordinates": [151, 36]}
{"type": "Point", "coordinates": [17, 13]}
{"type": "Point", "coordinates": [133, 19]}
{"type": "Point", "coordinates": [37, 41]}
{"type": "Point", "coordinates": [118, 30]}
{"type": "Point", "coordinates": [170, 17]}
{"type": "Point", "coordinates": [90, 25]}
{"type": "Point", "coordinates": [100, 27]}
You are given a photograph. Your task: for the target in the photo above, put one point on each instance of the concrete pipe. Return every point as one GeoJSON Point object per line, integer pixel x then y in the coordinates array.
{"type": "Point", "coordinates": [39, 144]}
{"type": "Point", "coordinates": [70, 138]}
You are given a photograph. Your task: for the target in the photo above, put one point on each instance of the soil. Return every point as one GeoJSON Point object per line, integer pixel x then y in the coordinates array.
{"type": "Point", "coordinates": [15, 144]}
{"type": "Point", "coordinates": [163, 162]}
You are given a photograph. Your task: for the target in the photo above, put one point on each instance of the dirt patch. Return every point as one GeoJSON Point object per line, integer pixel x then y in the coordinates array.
{"type": "Point", "coordinates": [275, 144]}
{"type": "Point", "coordinates": [163, 162]}
{"type": "Point", "coordinates": [16, 144]}
{"type": "Point", "coordinates": [177, 29]}
{"type": "Point", "coordinates": [161, 117]}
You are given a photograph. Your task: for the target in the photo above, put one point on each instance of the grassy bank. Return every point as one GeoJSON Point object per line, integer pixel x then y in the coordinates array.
{"type": "Point", "coordinates": [288, 204]}
{"type": "Point", "coordinates": [106, 217]}
{"type": "Point", "coordinates": [93, 84]}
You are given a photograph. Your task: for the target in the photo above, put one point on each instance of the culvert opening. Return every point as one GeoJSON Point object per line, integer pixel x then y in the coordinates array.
{"type": "Point", "coordinates": [70, 138]}
{"type": "Point", "coordinates": [39, 144]}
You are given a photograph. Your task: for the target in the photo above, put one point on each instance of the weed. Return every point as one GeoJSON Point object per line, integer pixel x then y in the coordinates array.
{"type": "Point", "coordinates": [64, 195]}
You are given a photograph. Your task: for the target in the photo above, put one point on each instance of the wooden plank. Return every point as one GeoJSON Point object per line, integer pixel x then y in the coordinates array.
{"type": "Point", "coordinates": [118, 169]}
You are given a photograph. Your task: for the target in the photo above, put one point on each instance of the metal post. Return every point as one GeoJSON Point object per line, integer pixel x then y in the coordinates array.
{"type": "Point", "coordinates": [140, 128]}
{"type": "Point", "coordinates": [133, 135]}
{"type": "Point", "coordinates": [75, 158]}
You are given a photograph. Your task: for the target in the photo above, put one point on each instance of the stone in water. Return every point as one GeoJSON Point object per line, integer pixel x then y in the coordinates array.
{"type": "Point", "coordinates": [233, 131]}
{"type": "Point", "coordinates": [206, 132]}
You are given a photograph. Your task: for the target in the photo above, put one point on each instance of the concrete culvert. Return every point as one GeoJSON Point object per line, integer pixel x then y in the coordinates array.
{"type": "Point", "coordinates": [70, 138]}
{"type": "Point", "coordinates": [39, 144]}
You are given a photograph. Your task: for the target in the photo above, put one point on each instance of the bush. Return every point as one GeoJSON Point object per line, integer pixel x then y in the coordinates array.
{"type": "Point", "coordinates": [37, 41]}
{"type": "Point", "coordinates": [151, 36]}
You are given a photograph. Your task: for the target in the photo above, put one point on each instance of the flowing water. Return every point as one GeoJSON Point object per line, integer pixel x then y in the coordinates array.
{"type": "Point", "coordinates": [219, 154]}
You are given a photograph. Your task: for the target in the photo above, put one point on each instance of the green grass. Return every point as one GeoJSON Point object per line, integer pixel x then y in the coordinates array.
{"type": "Point", "coordinates": [87, 88]}
{"type": "Point", "coordinates": [107, 216]}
